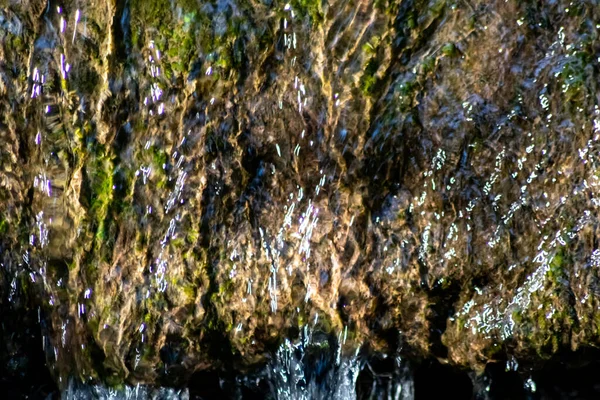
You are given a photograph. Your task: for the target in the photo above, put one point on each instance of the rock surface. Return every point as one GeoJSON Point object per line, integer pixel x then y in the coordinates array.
{"type": "Point", "coordinates": [184, 184]}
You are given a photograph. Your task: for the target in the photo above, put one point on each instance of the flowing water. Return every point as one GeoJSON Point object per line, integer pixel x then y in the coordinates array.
{"type": "Point", "coordinates": [299, 200]}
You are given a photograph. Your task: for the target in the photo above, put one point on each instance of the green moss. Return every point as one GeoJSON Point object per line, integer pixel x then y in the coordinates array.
{"type": "Point", "coordinates": [245, 340]}
{"type": "Point", "coordinates": [225, 61]}
{"type": "Point", "coordinates": [492, 351]}
{"type": "Point", "coordinates": [437, 7]}
{"type": "Point", "coordinates": [370, 48]}
{"type": "Point", "coordinates": [542, 322]}
{"type": "Point", "coordinates": [449, 50]}
{"type": "Point", "coordinates": [596, 324]}
{"type": "Point", "coordinates": [64, 85]}
{"type": "Point", "coordinates": [407, 87]}
{"type": "Point", "coordinates": [93, 326]}
{"type": "Point", "coordinates": [192, 236]}
{"type": "Point", "coordinates": [3, 227]}
{"type": "Point", "coordinates": [161, 184]}
{"type": "Point", "coordinates": [428, 65]}
{"type": "Point", "coordinates": [190, 292]}
{"type": "Point", "coordinates": [182, 46]}
{"type": "Point", "coordinates": [311, 8]}
{"type": "Point", "coordinates": [17, 43]}
{"type": "Point", "coordinates": [176, 31]}
{"type": "Point", "coordinates": [156, 303]}
{"type": "Point", "coordinates": [517, 316]}
{"type": "Point", "coordinates": [100, 175]}
{"type": "Point", "coordinates": [471, 23]}
{"type": "Point", "coordinates": [573, 74]}
{"type": "Point", "coordinates": [148, 13]}
{"type": "Point", "coordinates": [554, 343]}
{"type": "Point", "coordinates": [411, 20]}
{"type": "Point", "coordinates": [301, 319]}
{"type": "Point", "coordinates": [367, 84]}
{"type": "Point", "coordinates": [369, 80]}
{"type": "Point", "coordinates": [406, 91]}
{"type": "Point", "coordinates": [177, 243]}
{"type": "Point", "coordinates": [380, 5]}
{"type": "Point", "coordinates": [226, 288]}
{"type": "Point", "coordinates": [225, 293]}
{"type": "Point", "coordinates": [115, 381]}
{"type": "Point", "coordinates": [159, 158]}
{"type": "Point", "coordinates": [556, 270]}
{"type": "Point", "coordinates": [212, 324]}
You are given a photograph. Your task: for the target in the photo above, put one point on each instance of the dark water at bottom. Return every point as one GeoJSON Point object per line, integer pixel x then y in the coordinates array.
{"type": "Point", "coordinates": [300, 372]}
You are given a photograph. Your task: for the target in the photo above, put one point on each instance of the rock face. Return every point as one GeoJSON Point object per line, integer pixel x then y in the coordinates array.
{"type": "Point", "coordinates": [184, 184]}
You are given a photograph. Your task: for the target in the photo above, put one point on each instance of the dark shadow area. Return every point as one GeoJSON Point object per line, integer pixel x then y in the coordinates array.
{"type": "Point", "coordinates": [570, 375]}
{"type": "Point", "coordinates": [23, 370]}
{"type": "Point", "coordinates": [498, 383]}
{"type": "Point", "coordinates": [210, 385]}
{"type": "Point", "coordinates": [436, 381]}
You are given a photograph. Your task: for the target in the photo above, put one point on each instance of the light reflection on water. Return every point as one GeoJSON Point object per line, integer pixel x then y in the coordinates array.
{"type": "Point", "coordinates": [368, 154]}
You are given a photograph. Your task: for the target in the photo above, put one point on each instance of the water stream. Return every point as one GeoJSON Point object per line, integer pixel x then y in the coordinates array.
{"type": "Point", "coordinates": [298, 200]}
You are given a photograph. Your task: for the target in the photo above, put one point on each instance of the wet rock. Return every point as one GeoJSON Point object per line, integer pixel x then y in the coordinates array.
{"type": "Point", "coordinates": [184, 185]}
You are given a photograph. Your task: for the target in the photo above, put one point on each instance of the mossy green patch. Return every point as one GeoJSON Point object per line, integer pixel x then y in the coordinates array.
{"type": "Point", "coordinates": [100, 175]}
{"type": "Point", "coordinates": [449, 50]}
{"type": "Point", "coordinates": [574, 73]}
{"type": "Point", "coordinates": [370, 48]}
{"type": "Point", "coordinates": [3, 227]}
{"type": "Point", "coordinates": [556, 270]}
{"type": "Point", "coordinates": [190, 292]}
{"type": "Point", "coordinates": [311, 8]}
{"type": "Point", "coordinates": [437, 7]}
{"type": "Point", "coordinates": [177, 28]}
{"type": "Point", "coordinates": [115, 381]}
{"type": "Point", "coordinates": [517, 316]}
{"type": "Point", "coordinates": [159, 158]}
{"type": "Point", "coordinates": [177, 243]}
{"type": "Point", "coordinates": [192, 236]}
{"type": "Point", "coordinates": [369, 80]}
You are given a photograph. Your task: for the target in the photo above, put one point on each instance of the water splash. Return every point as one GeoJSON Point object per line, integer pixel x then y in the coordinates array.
{"type": "Point", "coordinates": [308, 370]}
{"type": "Point", "coordinates": [79, 391]}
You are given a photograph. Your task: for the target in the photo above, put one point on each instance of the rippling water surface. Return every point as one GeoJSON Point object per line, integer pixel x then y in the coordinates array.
{"type": "Point", "coordinates": [304, 200]}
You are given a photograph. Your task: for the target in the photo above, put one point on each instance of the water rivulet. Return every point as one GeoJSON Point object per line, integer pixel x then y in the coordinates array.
{"type": "Point", "coordinates": [313, 199]}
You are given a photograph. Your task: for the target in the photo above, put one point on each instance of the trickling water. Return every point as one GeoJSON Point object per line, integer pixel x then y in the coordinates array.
{"type": "Point", "coordinates": [77, 391]}
{"type": "Point", "coordinates": [185, 185]}
{"type": "Point", "coordinates": [326, 374]}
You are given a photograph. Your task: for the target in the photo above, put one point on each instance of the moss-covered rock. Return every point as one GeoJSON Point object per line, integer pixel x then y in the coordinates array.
{"type": "Point", "coordinates": [184, 184]}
